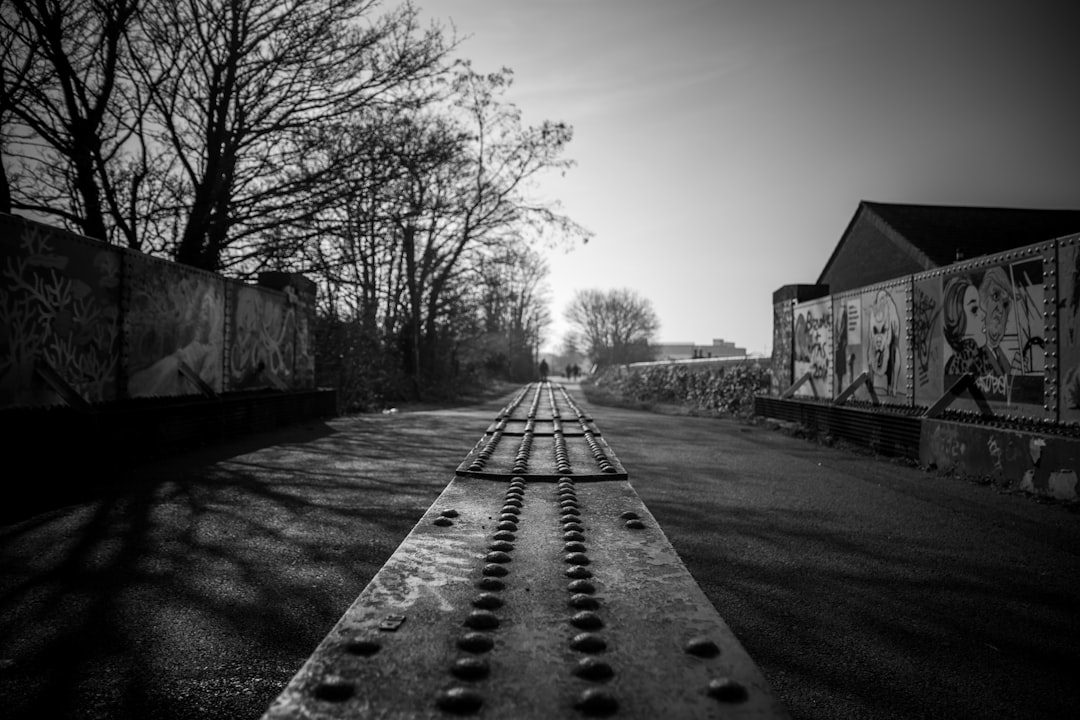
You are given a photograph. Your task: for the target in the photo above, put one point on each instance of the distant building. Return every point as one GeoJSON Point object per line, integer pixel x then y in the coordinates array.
{"type": "Point", "coordinates": [720, 348]}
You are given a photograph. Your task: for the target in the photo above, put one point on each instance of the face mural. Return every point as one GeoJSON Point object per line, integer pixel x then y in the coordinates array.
{"type": "Point", "coordinates": [995, 295]}
{"type": "Point", "coordinates": [883, 348]}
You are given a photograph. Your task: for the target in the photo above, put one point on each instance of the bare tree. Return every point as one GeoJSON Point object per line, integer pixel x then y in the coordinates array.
{"type": "Point", "coordinates": [615, 325]}
{"type": "Point", "coordinates": [68, 112]}
{"type": "Point", "coordinates": [241, 91]}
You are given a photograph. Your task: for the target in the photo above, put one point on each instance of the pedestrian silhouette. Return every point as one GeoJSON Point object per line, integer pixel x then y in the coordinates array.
{"type": "Point", "coordinates": [543, 369]}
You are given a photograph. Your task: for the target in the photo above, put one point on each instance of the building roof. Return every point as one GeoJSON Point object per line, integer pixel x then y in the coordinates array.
{"type": "Point", "coordinates": [943, 234]}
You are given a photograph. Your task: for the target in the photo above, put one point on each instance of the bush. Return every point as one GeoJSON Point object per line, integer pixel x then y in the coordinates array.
{"type": "Point", "coordinates": [723, 390]}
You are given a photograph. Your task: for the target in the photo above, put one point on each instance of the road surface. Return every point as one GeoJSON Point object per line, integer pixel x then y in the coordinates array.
{"type": "Point", "coordinates": [195, 587]}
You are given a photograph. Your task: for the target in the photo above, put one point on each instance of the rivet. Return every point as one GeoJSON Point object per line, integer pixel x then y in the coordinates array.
{"type": "Point", "coordinates": [727, 690]}
{"type": "Point", "coordinates": [333, 690]}
{"type": "Point", "coordinates": [482, 620]}
{"type": "Point", "coordinates": [629, 515]}
{"type": "Point", "coordinates": [501, 545]}
{"type": "Point", "coordinates": [475, 642]}
{"type": "Point", "coordinates": [471, 668]}
{"type": "Point", "coordinates": [497, 556]}
{"type": "Point", "coordinates": [573, 535]}
{"type": "Point", "coordinates": [573, 527]}
{"type": "Point", "coordinates": [588, 642]}
{"type": "Point", "coordinates": [490, 583]}
{"type": "Point", "coordinates": [596, 702]}
{"type": "Point", "coordinates": [514, 502]}
{"type": "Point", "coordinates": [449, 513]}
{"type": "Point", "coordinates": [442, 521]}
{"type": "Point", "coordinates": [566, 505]}
{"type": "Point", "coordinates": [460, 701]}
{"type": "Point", "coordinates": [635, 524]}
{"type": "Point", "coordinates": [517, 479]}
{"type": "Point", "coordinates": [495, 570]}
{"type": "Point", "coordinates": [590, 668]}
{"type": "Point", "coordinates": [586, 620]}
{"type": "Point", "coordinates": [515, 493]}
{"type": "Point", "coordinates": [574, 547]}
{"type": "Point", "coordinates": [508, 517]}
{"type": "Point", "coordinates": [581, 586]}
{"type": "Point", "coordinates": [578, 572]}
{"type": "Point", "coordinates": [581, 601]}
{"type": "Point", "coordinates": [363, 647]}
{"type": "Point", "coordinates": [511, 510]}
{"type": "Point", "coordinates": [507, 525]}
{"type": "Point", "coordinates": [504, 535]}
{"type": "Point", "coordinates": [702, 647]}
{"type": "Point", "coordinates": [487, 601]}
{"type": "Point", "coordinates": [577, 558]}
{"type": "Point", "coordinates": [571, 511]}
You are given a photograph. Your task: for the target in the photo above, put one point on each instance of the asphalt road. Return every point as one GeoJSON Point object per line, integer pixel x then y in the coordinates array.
{"type": "Point", "coordinates": [195, 587]}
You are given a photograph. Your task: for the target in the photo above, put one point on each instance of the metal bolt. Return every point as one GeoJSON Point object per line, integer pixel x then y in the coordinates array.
{"type": "Point", "coordinates": [588, 643]}
{"type": "Point", "coordinates": [727, 690]}
{"type": "Point", "coordinates": [498, 556]}
{"type": "Point", "coordinates": [635, 524]}
{"type": "Point", "coordinates": [490, 583]}
{"type": "Point", "coordinates": [630, 515]}
{"type": "Point", "coordinates": [471, 668]}
{"type": "Point", "coordinates": [363, 647]}
{"type": "Point", "coordinates": [573, 527]}
{"type": "Point", "coordinates": [507, 525]}
{"type": "Point", "coordinates": [504, 535]}
{"type": "Point", "coordinates": [590, 668]}
{"type": "Point", "coordinates": [509, 509]}
{"type": "Point", "coordinates": [586, 620]}
{"type": "Point", "coordinates": [460, 701]}
{"type": "Point", "coordinates": [449, 513]}
{"type": "Point", "coordinates": [577, 558]}
{"type": "Point", "coordinates": [508, 517]}
{"type": "Point", "coordinates": [442, 521]}
{"type": "Point", "coordinates": [501, 545]}
{"type": "Point", "coordinates": [487, 601]}
{"type": "Point", "coordinates": [513, 501]}
{"type": "Point", "coordinates": [581, 586]}
{"type": "Point", "coordinates": [597, 702]}
{"type": "Point", "coordinates": [581, 601]}
{"type": "Point", "coordinates": [574, 547]}
{"type": "Point", "coordinates": [482, 620]}
{"type": "Point", "coordinates": [570, 511]}
{"type": "Point", "coordinates": [333, 689]}
{"type": "Point", "coordinates": [573, 535]}
{"type": "Point", "coordinates": [702, 647]}
{"type": "Point", "coordinates": [578, 572]}
{"type": "Point", "coordinates": [475, 642]}
{"type": "Point", "coordinates": [495, 570]}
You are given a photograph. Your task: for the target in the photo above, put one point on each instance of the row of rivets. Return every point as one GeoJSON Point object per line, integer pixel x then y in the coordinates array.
{"type": "Point", "coordinates": [485, 453]}
{"type": "Point", "coordinates": [597, 451]}
{"type": "Point", "coordinates": [593, 701]}
{"type": "Point", "coordinates": [521, 460]}
{"type": "Point", "coordinates": [477, 641]}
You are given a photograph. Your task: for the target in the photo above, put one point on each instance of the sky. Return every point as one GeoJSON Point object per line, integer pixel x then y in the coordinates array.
{"type": "Point", "coordinates": [722, 146]}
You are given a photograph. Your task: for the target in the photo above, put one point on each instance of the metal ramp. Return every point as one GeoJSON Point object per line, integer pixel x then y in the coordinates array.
{"type": "Point", "coordinates": [538, 585]}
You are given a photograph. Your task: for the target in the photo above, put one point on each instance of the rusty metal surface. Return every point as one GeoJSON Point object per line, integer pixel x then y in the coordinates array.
{"type": "Point", "coordinates": [522, 598]}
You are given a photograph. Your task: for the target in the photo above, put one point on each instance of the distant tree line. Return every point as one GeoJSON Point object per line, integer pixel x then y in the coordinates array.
{"type": "Point", "coordinates": [319, 136]}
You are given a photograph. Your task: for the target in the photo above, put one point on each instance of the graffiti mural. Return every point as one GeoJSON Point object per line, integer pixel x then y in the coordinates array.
{"type": "Point", "coordinates": [173, 315]}
{"type": "Point", "coordinates": [59, 310]}
{"type": "Point", "coordinates": [781, 349]}
{"type": "Point", "coordinates": [926, 340]}
{"type": "Point", "coordinates": [262, 339]}
{"type": "Point", "coordinates": [870, 337]}
{"type": "Point", "coordinates": [1068, 312]}
{"type": "Point", "coordinates": [993, 326]}
{"type": "Point", "coordinates": [812, 340]}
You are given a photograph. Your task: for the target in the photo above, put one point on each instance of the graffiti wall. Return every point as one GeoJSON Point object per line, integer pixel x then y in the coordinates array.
{"type": "Point", "coordinates": [812, 339]}
{"type": "Point", "coordinates": [262, 338]}
{"type": "Point", "coordinates": [992, 325]}
{"type": "Point", "coordinates": [870, 336]}
{"type": "Point", "coordinates": [928, 355]}
{"type": "Point", "coordinates": [172, 315]}
{"type": "Point", "coordinates": [59, 313]}
{"type": "Point", "coordinates": [1012, 320]}
{"type": "Point", "coordinates": [1068, 323]}
{"type": "Point", "coordinates": [85, 322]}
{"type": "Point", "coordinates": [782, 347]}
